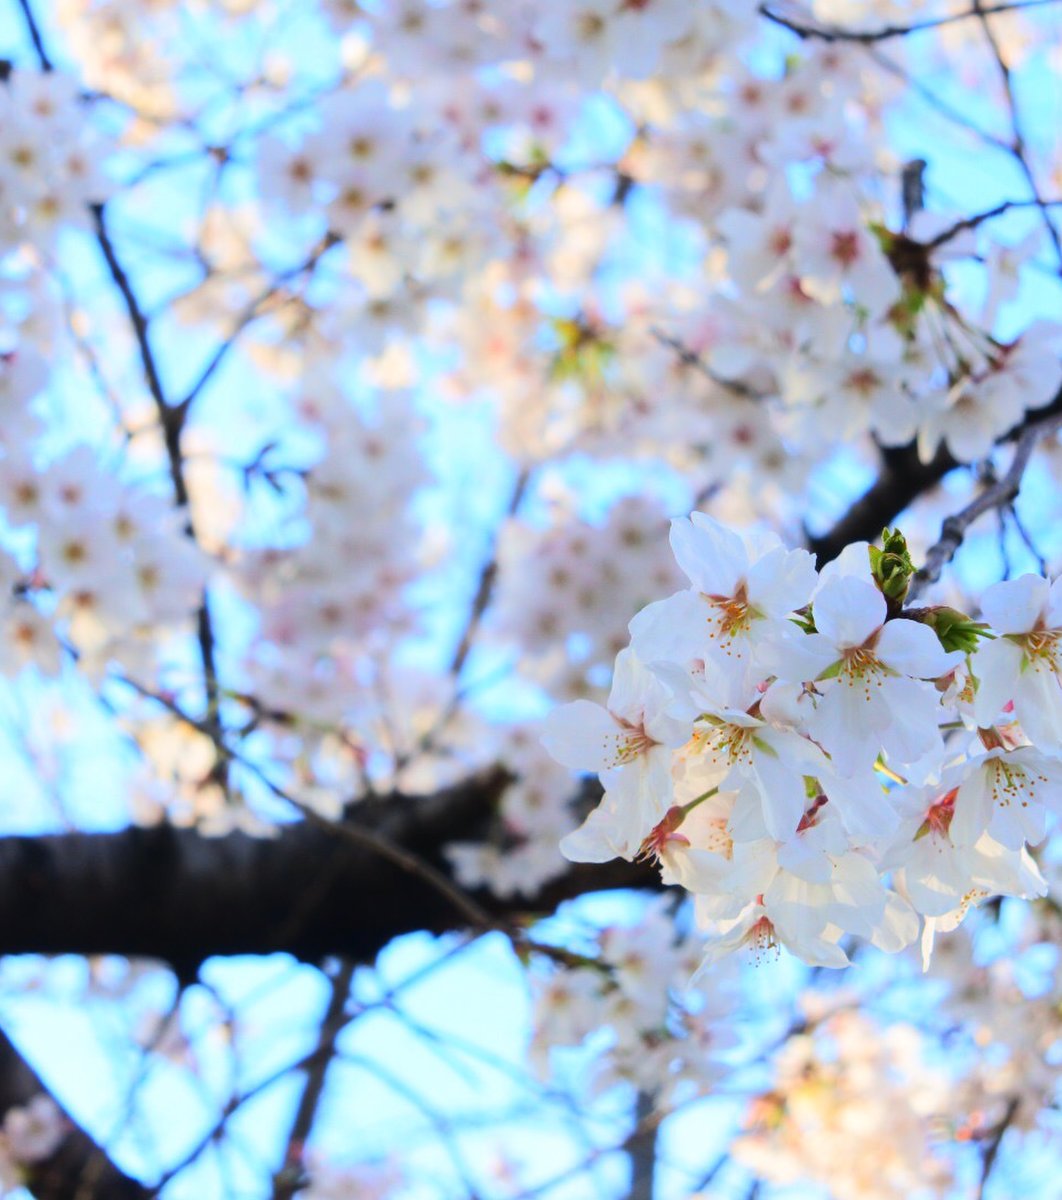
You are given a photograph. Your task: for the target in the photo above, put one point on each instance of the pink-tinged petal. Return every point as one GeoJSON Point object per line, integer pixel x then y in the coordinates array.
{"type": "Point", "coordinates": [996, 666]}
{"type": "Point", "coordinates": [865, 808]}
{"type": "Point", "coordinates": [1008, 872]}
{"type": "Point", "coordinates": [1038, 705]}
{"type": "Point", "coordinates": [713, 557]}
{"type": "Point", "coordinates": [848, 611]}
{"type": "Point", "coordinates": [781, 790]}
{"type": "Point", "coordinates": [1016, 605]}
{"type": "Point", "coordinates": [914, 649]}
{"type": "Point", "coordinates": [973, 808]}
{"type": "Point", "coordinates": [857, 884]}
{"type": "Point", "coordinates": [627, 696]}
{"type": "Point", "coordinates": [853, 560]}
{"type": "Point", "coordinates": [898, 927]}
{"type": "Point", "coordinates": [1054, 606]}
{"type": "Point", "coordinates": [795, 656]}
{"type": "Point", "coordinates": [607, 833]}
{"type": "Point", "coordinates": [637, 694]}
{"type": "Point", "coordinates": [795, 926]}
{"type": "Point", "coordinates": [755, 864]}
{"type": "Point", "coordinates": [781, 581]}
{"type": "Point", "coordinates": [1015, 824]}
{"type": "Point", "coordinates": [849, 724]}
{"type": "Point", "coordinates": [583, 735]}
{"type": "Point", "coordinates": [668, 731]}
{"type": "Point", "coordinates": [913, 731]}
{"type": "Point", "coordinates": [802, 858]}
{"type": "Point", "coordinates": [696, 870]}
{"type": "Point", "coordinates": [672, 630]}
{"type": "Point", "coordinates": [746, 821]}
{"type": "Point", "coordinates": [931, 895]}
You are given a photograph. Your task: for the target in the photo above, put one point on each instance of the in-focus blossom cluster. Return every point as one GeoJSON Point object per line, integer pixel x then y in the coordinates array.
{"type": "Point", "coordinates": [812, 762]}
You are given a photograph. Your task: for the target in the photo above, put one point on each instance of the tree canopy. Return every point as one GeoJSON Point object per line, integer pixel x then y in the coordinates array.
{"type": "Point", "coordinates": [531, 659]}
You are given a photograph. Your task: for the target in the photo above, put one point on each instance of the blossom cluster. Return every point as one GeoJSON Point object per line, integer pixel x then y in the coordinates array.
{"type": "Point", "coordinates": [852, 1107]}
{"type": "Point", "coordinates": [812, 762]}
{"type": "Point", "coordinates": [50, 159]}
{"type": "Point", "coordinates": [87, 558]}
{"type": "Point", "coordinates": [31, 1132]}
{"type": "Point", "coordinates": [665, 1038]}
{"type": "Point", "coordinates": [578, 582]}
{"type": "Point", "coordinates": [356, 512]}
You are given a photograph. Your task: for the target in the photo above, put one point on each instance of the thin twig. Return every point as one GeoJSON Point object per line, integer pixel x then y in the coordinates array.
{"type": "Point", "coordinates": [487, 577]}
{"type": "Point", "coordinates": [837, 33]}
{"type": "Point", "coordinates": [253, 310]}
{"type": "Point", "coordinates": [1000, 494]}
{"type": "Point", "coordinates": [953, 115]}
{"type": "Point", "coordinates": [291, 1176]}
{"type": "Point", "coordinates": [34, 31]}
{"type": "Point", "coordinates": [979, 218]}
{"type": "Point", "coordinates": [991, 1149]}
{"type": "Point", "coordinates": [690, 358]}
{"type": "Point", "coordinates": [1018, 146]}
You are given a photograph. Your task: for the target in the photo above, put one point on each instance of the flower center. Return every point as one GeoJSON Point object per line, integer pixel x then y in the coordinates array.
{"type": "Point", "coordinates": [844, 248]}
{"type": "Point", "coordinates": [761, 940]}
{"type": "Point", "coordinates": [1042, 648]}
{"type": "Point", "coordinates": [731, 614]}
{"type": "Point", "coordinates": [636, 741]}
{"type": "Point", "coordinates": [665, 834]}
{"type": "Point", "coordinates": [938, 818]}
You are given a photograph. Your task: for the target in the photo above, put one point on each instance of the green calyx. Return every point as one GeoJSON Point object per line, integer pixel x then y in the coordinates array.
{"type": "Point", "coordinates": [954, 629]}
{"type": "Point", "coordinates": [892, 567]}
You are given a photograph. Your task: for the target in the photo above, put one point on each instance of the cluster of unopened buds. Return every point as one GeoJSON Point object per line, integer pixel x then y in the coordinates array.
{"type": "Point", "coordinates": [816, 763]}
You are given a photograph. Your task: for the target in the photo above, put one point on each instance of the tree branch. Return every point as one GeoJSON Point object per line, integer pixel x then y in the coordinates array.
{"type": "Point", "coordinates": [174, 895]}
{"type": "Point", "coordinates": [997, 496]}
{"type": "Point", "coordinates": [806, 29]}
{"type": "Point", "coordinates": [34, 31]}
{"type": "Point", "coordinates": [641, 1146]}
{"type": "Point", "coordinates": [995, 1140]}
{"type": "Point", "coordinates": [291, 1176]}
{"type": "Point", "coordinates": [487, 577]}
{"type": "Point", "coordinates": [903, 478]}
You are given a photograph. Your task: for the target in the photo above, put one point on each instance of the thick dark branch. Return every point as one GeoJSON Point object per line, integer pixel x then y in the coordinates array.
{"type": "Point", "coordinates": [904, 477]}
{"type": "Point", "coordinates": [173, 895]}
{"type": "Point", "coordinates": [902, 480]}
